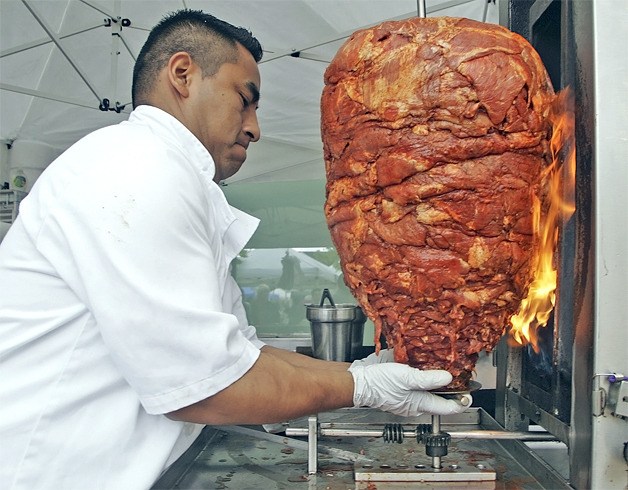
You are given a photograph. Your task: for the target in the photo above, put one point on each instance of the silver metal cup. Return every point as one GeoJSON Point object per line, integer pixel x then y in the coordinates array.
{"type": "Point", "coordinates": [336, 335]}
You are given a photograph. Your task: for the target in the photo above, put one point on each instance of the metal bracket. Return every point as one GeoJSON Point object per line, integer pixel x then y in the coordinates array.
{"type": "Point", "coordinates": [312, 442]}
{"type": "Point", "coordinates": [616, 399]}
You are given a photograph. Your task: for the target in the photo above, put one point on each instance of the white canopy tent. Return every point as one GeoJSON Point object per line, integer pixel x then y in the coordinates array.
{"type": "Point", "coordinates": [66, 65]}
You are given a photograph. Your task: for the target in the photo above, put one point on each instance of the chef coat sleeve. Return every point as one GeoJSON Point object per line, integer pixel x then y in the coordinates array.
{"type": "Point", "coordinates": [142, 258]}
{"type": "Point", "coordinates": [233, 294]}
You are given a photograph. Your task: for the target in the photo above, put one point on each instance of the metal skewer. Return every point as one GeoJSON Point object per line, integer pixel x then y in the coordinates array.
{"type": "Point", "coordinates": [411, 433]}
{"type": "Point", "coordinates": [436, 431]}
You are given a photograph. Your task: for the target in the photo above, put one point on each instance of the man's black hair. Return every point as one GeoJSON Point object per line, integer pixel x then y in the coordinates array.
{"type": "Point", "coordinates": [208, 40]}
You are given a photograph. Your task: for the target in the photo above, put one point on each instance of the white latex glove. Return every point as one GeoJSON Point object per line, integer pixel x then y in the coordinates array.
{"type": "Point", "coordinates": [385, 355]}
{"type": "Point", "coordinates": [400, 389]}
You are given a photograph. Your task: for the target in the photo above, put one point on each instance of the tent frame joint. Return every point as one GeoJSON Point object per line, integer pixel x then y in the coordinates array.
{"type": "Point", "coordinates": [110, 21]}
{"type": "Point", "coordinates": [105, 105]}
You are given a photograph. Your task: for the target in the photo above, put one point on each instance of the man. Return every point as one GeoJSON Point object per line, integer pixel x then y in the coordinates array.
{"type": "Point", "coordinates": [121, 328]}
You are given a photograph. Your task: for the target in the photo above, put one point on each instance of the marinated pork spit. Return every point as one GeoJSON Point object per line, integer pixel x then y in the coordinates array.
{"type": "Point", "coordinates": [435, 138]}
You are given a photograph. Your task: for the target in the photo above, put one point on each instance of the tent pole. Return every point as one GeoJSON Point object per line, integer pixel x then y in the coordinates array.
{"type": "Point", "coordinates": [116, 30]}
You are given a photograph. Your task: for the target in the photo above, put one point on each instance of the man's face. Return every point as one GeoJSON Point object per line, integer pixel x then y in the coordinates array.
{"type": "Point", "coordinates": [222, 113]}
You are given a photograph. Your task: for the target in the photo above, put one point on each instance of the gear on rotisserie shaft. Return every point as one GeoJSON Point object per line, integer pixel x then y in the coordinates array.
{"type": "Point", "coordinates": [436, 444]}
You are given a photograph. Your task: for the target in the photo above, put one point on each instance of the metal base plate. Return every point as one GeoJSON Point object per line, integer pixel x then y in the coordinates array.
{"type": "Point", "coordinates": [459, 472]}
{"type": "Point", "coordinates": [473, 386]}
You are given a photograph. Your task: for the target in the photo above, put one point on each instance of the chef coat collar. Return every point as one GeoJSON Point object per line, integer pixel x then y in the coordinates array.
{"type": "Point", "coordinates": [235, 227]}
{"type": "Point", "coordinates": [170, 128]}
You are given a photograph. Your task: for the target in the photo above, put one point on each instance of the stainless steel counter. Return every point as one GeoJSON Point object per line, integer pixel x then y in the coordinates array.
{"type": "Point", "coordinates": [247, 457]}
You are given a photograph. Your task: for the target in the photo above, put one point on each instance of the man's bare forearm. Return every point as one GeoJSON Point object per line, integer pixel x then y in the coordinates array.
{"type": "Point", "coordinates": [301, 360]}
{"type": "Point", "coordinates": [280, 386]}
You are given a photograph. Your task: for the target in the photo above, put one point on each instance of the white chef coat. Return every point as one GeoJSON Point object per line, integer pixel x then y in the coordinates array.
{"type": "Point", "coordinates": [116, 307]}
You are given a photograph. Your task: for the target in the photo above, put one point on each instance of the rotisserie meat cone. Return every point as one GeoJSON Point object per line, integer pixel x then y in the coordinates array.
{"type": "Point", "coordinates": [435, 138]}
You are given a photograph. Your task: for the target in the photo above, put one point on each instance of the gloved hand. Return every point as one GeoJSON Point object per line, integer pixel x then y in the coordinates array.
{"type": "Point", "coordinates": [385, 355]}
{"type": "Point", "coordinates": [400, 389]}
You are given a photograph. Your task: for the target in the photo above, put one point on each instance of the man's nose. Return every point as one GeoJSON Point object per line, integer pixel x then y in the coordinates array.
{"type": "Point", "coordinates": [251, 127]}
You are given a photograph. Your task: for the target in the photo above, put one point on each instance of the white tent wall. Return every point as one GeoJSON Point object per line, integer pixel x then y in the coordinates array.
{"type": "Point", "coordinates": [290, 213]}
{"type": "Point", "coordinates": [28, 159]}
{"type": "Point", "coordinates": [59, 60]}
{"type": "Point", "coordinates": [4, 178]}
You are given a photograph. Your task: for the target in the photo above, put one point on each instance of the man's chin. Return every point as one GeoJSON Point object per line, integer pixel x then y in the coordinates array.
{"type": "Point", "coordinates": [230, 170]}
{"type": "Point", "coordinates": [239, 153]}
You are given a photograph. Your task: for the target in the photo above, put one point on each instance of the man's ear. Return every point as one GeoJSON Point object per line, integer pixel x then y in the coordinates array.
{"type": "Point", "coordinates": [179, 70]}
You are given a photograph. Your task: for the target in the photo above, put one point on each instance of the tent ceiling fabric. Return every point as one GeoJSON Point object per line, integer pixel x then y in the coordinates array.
{"type": "Point", "coordinates": [59, 59]}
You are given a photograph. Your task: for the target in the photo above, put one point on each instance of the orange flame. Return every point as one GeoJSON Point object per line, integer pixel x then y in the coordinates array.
{"type": "Point", "coordinates": [559, 179]}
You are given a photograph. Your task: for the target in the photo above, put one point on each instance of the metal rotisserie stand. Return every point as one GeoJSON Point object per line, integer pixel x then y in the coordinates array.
{"type": "Point", "coordinates": [249, 458]}
{"type": "Point", "coordinates": [559, 416]}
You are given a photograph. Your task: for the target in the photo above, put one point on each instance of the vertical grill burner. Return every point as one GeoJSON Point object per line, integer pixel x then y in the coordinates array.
{"type": "Point", "coordinates": [564, 387]}
{"type": "Point", "coordinates": [546, 375]}
{"type": "Point", "coordinates": [537, 385]}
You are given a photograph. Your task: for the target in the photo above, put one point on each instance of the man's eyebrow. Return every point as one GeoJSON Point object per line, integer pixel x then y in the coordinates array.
{"type": "Point", "coordinates": [254, 92]}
